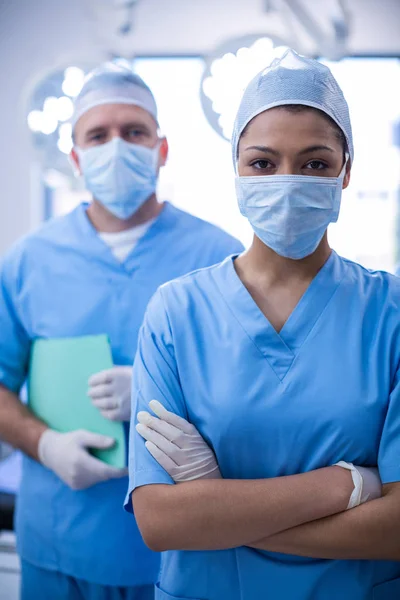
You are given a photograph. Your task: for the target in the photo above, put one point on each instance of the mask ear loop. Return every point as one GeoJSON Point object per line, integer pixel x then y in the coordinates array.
{"type": "Point", "coordinates": [343, 171]}
{"type": "Point", "coordinates": [156, 152]}
{"type": "Point", "coordinates": [75, 170]}
{"type": "Point", "coordinates": [237, 162]}
{"type": "Point", "coordinates": [236, 166]}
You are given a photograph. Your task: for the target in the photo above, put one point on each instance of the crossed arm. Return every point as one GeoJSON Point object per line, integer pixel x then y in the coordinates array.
{"type": "Point", "coordinates": [212, 514]}
{"type": "Point", "coordinates": [206, 512]}
{"type": "Point", "coordinates": [284, 514]}
{"type": "Point", "coordinates": [291, 512]}
{"type": "Point", "coordinates": [370, 531]}
{"type": "Point", "coordinates": [301, 514]}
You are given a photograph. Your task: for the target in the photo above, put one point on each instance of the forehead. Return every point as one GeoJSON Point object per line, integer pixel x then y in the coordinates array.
{"type": "Point", "coordinates": [113, 115]}
{"type": "Point", "coordinates": [283, 127]}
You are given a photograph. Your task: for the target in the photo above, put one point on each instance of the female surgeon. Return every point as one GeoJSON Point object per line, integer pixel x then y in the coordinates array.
{"type": "Point", "coordinates": [270, 368]}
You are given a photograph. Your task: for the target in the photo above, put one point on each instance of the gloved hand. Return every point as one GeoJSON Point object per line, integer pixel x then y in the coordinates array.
{"type": "Point", "coordinates": [367, 484]}
{"type": "Point", "coordinates": [179, 448]}
{"type": "Point", "coordinates": [176, 445]}
{"type": "Point", "coordinates": [110, 392]}
{"type": "Point", "coordinates": [66, 454]}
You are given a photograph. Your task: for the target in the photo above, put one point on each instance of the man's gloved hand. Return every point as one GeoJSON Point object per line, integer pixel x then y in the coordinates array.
{"type": "Point", "coordinates": [67, 455]}
{"type": "Point", "coordinates": [177, 445]}
{"type": "Point", "coordinates": [110, 392]}
{"type": "Point", "coordinates": [367, 483]}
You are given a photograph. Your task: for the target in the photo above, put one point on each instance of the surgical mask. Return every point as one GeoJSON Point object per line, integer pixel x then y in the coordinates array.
{"type": "Point", "coordinates": [290, 213]}
{"type": "Point", "coordinates": [120, 175]}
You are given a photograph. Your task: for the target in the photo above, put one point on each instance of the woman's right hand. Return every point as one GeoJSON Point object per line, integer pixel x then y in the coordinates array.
{"type": "Point", "coordinates": [176, 445]}
{"type": "Point", "coordinates": [367, 483]}
{"type": "Point", "coordinates": [179, 448]}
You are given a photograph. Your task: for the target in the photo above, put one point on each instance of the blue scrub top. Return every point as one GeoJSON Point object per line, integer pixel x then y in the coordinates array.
{"type": "Point", "coordinates": [326, 388]}
{"type": "Point", "coordinates": [64, 281]}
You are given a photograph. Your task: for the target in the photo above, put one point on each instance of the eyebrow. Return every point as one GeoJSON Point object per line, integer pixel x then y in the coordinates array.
{"type": "Point", "coordinates": [125, 126]}
{"type": "Point", "coordinates": [268, 150]}
{"type": "Point", "coordinates": [136, 124]}
{"type": "Point", "coordinates": [98, 129]}
{"type": "Point", "coordinates": [316, 149]}
{"type": "Point", "coordinates": [265, 149]}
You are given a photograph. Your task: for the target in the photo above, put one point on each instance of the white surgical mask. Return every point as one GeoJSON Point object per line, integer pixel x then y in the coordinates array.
{"type": "Point", "coordinates": [290, 213]}
{"type": "Point", "coordinates": [120, 175]}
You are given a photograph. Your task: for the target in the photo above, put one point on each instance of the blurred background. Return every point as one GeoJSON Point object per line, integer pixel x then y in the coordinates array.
{"type": "Point", "coordinates": [197, 56]}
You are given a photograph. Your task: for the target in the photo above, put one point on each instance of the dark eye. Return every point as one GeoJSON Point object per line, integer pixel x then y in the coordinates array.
{"type": "Point", "coordinates": [97, 137]}
{"type": "Point", "coordinates": [261, 164]}
{"type": "Point", "coordinates": [135, 133]}
{"type": "Point", "coordinates": [316, 165]}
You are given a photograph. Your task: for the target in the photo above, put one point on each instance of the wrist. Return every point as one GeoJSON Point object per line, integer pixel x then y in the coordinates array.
{"type": "Point", "coordinates": [45, 437]}
{"type": "Point", "coordinates": [344, 486]}
{"type": "Point", "coordinates": [124, 370]}
{"type": "Point", "coordinates": [32, 432]}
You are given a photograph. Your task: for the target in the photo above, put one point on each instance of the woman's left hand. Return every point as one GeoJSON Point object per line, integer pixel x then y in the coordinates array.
{"type": "Point", "coordinates": [176, 445]}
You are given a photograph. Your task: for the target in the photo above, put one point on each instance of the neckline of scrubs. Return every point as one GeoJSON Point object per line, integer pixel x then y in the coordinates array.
{"type": "Point", "coordinates": [280, 349]}
{"type": "Point", "coordinates": [165, 219]}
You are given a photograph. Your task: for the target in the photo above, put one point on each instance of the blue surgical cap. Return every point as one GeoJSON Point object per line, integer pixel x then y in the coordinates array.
{"type": "Point", "coordinates": [293, 79]}
{"type": "Point", "coordinates": [113, 84]}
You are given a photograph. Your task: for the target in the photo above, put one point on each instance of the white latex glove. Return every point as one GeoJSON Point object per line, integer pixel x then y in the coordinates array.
{"type": "Point", "coordinates": [179, 448]}
{"type": "Point", "coordinates": [66, 454]}
{"type": "Point", "coordinates": [367, 484]}
{"type": "Point", "coordinates": [177, 445]}
{"type": "Point", "coordinates": [110, 392]}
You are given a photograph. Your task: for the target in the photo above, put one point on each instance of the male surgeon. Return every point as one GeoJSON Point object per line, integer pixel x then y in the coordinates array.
{"type": "Point", "coordinates": [92, 271]}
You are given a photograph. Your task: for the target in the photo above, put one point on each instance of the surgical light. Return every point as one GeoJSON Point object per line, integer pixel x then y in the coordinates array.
{"type": "Point", "coordinates": [227, 74]}
{"type": "Point", "coordinates": [35, 120]}
{"type": "Point", "coordinates": [64, 145]}
{"type": "Point", "coordinates": [73, 81]}
{"type": "Point", "coordinates": [65, 142]}
{"type": "Point", "coordinates": [64, 108]}
{"type": "Point", "coordinates": [50, 106]}
{"type": "Point", "coordinates": [49, 123]}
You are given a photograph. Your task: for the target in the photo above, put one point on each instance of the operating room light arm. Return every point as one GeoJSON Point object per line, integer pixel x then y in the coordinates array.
{"type": "Point", "coordinates": [369, 532]}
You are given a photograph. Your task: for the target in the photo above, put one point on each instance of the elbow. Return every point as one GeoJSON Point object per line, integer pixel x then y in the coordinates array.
{"type": "Point", "coordinates": [395, 546]}
{"type": "Point", "coordinates": [154, 542]}
{"type": "Point", "coordinates": [391, 495]}
{"type": "Point", "coordinates": [152, 519]}
{"type": "Point", "coordinates": [152, 536]}
{"type": "Point", "coordinates": [391, 551]}
{"type": "Point", "coordinates": [396, 556]}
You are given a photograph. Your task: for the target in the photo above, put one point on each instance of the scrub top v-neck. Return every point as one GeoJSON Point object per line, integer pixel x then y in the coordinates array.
{"type": "Point", "coordinates": [326, 388]}
{"type": "Point", "coordinates": [64, 281]}
{"type": "Point", "coordinates": [280, 349]}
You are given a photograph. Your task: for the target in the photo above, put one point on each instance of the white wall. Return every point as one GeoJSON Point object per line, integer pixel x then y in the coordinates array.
{"type": "Point", "coordinates": [37, 36]}
{"type": "Point", "coordinates": [34, 38]}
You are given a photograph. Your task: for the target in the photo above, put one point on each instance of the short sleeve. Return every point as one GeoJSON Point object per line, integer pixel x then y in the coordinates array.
{"type": "Point", "coordinates": [14, 340]}
{"type": "Point", "coordinates": [389, 448]}
{"type": "Point", "coordinates": [155, 377]}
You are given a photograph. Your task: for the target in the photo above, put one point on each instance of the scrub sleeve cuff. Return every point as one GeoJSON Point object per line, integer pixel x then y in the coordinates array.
{"type": "Point", "coordinates": [145, 477]}
{"type": "Point", "coordinates": [389, 473]}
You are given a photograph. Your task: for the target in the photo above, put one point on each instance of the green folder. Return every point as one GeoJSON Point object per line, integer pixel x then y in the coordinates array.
{"type": "Point", "coordinates": [58, 384]}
